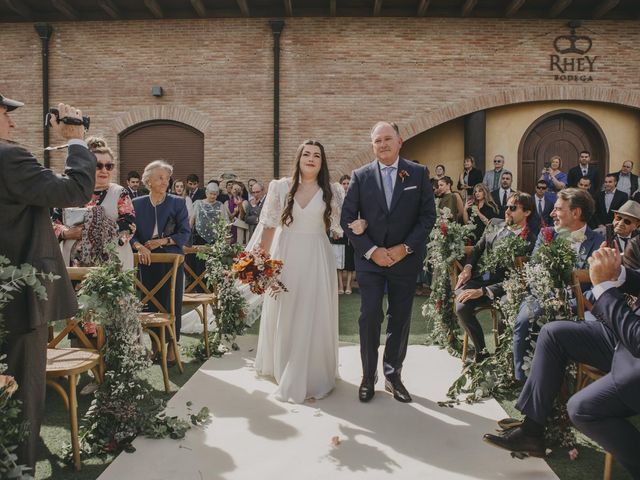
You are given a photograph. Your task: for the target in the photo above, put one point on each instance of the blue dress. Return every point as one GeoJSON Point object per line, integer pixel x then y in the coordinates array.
{"type": "Point", "coordinates": [561, 177]}
{"type": "Point", "coordinates": [173, 221]}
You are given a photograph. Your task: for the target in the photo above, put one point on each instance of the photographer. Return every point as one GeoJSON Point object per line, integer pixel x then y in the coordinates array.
{"type": "Point", "coordinates": [555, 178]}
{"type": "Point", "coordinates": [27, 192]}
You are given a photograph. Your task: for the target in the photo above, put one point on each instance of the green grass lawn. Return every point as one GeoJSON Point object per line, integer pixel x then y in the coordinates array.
{"type": "Point", "coordinates": [55, 428]}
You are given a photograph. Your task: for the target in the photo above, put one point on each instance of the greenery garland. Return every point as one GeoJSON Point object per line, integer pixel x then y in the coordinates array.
{"type": "Point", "coordinates": [12, 432]}
{"type": "Point", "coordinates": [446, 245]}
{"type": "Point", "coordinates": [123, 406]}
{"type": "Point", "coordinates": [230, 306]}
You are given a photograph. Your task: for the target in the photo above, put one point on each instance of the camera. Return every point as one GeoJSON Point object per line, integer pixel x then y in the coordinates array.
{"type": "Point", "coordinates": [55, 113]}
{"type": "Point", "coordinates": [547, 165]}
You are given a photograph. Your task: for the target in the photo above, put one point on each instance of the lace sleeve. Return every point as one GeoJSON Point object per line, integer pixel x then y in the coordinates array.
{"type": "Point", "coordinates": [336, 208]}
{"type": "Point", "coordinates": [272, 209]}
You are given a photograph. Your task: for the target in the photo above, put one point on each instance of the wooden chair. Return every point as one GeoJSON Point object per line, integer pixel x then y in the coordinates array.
{"type": "Point", "coordinates": [586, 373]}
{"type": "Point", "coordinates": [70, 363]}
{"type": "Point", "coordinates": [457, 269]}
{"type": "Point", "coordinates": [201, 301]}
{"type": "Point", "coordinates": [165, 318]}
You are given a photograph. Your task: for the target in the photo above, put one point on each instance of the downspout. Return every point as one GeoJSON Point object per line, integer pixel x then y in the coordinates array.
{"type": "Point", "coordinates": [276, 29]}
{"type": "Point", "coordinates": [45, 31]}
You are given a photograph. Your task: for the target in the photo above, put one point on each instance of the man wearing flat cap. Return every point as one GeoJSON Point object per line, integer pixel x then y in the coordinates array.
{"type": "Point", "coordinates": [27, 192]}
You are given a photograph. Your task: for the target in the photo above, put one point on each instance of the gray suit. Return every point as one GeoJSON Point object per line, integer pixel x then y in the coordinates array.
{"type": "Point", "coordinates": [27, 192]}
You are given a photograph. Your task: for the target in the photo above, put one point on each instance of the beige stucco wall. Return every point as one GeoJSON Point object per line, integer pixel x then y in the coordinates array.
{"type": "Point", "coordinates": [443, 144]}
{"type": "Point", "coordinates": [507, 125]}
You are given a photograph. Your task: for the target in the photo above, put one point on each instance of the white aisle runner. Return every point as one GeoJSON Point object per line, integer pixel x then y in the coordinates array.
{"type": "Point", "coordinates": [253, 436]}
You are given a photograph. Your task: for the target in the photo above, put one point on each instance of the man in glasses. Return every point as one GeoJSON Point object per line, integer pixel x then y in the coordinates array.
{"type": "Point", "coordinates": [626, 221]}
{"type": "Point", "coordinates": [584, 169]}
{"type": "Point", "coordinates": [570, 213]}
{"type": "Point", "coordinates": [608, 200]}
{"type": "Point", "coordinates": [544, 201]}
{"type": "Point", "coordinates": [27, 191]}
{"type": "Point", "coordinates": [627, 181]}
{"type": "Point", "coordinates": [476, 288]}
{"type": "Point", "coordinates": [492, 177]}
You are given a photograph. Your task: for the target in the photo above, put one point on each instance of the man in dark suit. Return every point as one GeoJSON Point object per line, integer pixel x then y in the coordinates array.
{"type": "Point", "coordinates": [572, 208]}
{"type": "Point", "coordinates": [544, 201]}
{"type": "Point", "coordinates": [501, 195]}
{"type": "Point", "coordinates": [27, 192]}
{"type": "Point", "coordinates": [608, 200]}
{"type": "Point", "coordinates": [584, 169]}
{"type": "Point", "coordinates": [476, 288]}
{"type": "Point", "coordinates": [193, 188]}
{"type": "Point", "coordinates": [612, 345]}
{"type": "Point", "coordinates": [627, 182]}
{"type": "Point", "coordinates": [134, 187]}
{"type": "Point", "coordinates": [395, 197]}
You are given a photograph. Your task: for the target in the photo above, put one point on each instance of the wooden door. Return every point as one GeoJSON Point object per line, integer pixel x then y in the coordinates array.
{"type": "Point", "coordinates": [564, 133]}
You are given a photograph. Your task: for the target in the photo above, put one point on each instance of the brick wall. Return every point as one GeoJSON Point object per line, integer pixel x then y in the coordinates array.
{"type": "Point", "coordinates": [339, 76]}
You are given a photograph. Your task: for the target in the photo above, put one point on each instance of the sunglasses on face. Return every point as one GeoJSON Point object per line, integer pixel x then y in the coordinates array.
{"type": "Point", "coordinates": [618, 218]}
{"type": "Point", "coordinates": [512, 208]}
{"type": "Point", "coordinates": [541, 187]}
{"type": "Point", "coordinates": [497, 161]}
{"type": "Point", "coordinates": [107, 166]}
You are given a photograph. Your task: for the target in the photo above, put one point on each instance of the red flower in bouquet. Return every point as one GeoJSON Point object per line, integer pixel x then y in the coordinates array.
{"type": "Point", "coordinates": [403, 174]}
{"type": "Point", "coordinates": [547, 235]}
{"type": "Point", "coordinates": [258, 270]}
{"type": "Point", "coordinates": [89, 329]}
{"type": "Point", "coordinates": [444, 228]}
{"type": "Point", "coordinates": [525, 232]}
{"type": "Point", "coordinates": [438, 305]}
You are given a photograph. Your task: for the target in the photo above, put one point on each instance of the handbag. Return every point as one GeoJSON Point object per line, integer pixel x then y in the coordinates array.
{"type": "Point", "coordinates": [73, 216]}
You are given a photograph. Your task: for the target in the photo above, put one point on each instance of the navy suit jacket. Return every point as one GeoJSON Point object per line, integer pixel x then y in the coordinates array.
{"type": "Point", "coordinates": [408, 220]}
{"type": "Point", "coordinates": [575, 174]}
{"type": "Point", "coordinates": [173, 207]}
{"type": "Point", "coordinates": [591, 243]}
{"type": "Point", "coordinates": [602, 216]}
{"type": "Point", "coordinates": [612, 310]}
{"type": "Point", "coordinates": [536, 223]}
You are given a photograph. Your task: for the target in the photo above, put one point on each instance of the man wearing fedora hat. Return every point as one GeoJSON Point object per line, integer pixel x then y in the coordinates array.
{"type": "Point", "coordinates": [27, 191]}
{"type": "Point", "coordinates": [626, 221]}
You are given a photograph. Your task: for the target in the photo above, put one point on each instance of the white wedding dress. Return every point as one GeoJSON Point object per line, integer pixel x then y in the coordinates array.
{"type": "Point", "coordinates": [298, 341]}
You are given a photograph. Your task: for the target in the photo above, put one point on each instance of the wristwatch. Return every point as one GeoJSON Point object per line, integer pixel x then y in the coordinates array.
{"type": "Point", "coordinates": [407, 249]}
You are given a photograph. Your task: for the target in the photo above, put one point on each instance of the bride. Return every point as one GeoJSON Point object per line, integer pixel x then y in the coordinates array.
{"type": "Point", "coordinates": [298, 340]}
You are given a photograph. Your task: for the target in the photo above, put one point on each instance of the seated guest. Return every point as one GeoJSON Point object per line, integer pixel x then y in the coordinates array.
{"type": "Point", "coordinates": [180, 190]}
{"type": "Point", "coordinates": [469, 177]}
{"type": "Point", "coordinates": [108, 218]}
{"type": "Point", "coordinates": [162, 226]}
{"type": "Point", "coordinates": [612, 344]}
{"type": "Point", "coordinates": [572, 208]}
{"type": "Point", "coordinates": [582, 170]}
{"type": "Point", "coordinates": [476, 288]}
{"type": "Point", "coordinates": [608, 200]}
{"type": "Point", "coordinates": [501, 195]}
{"type": "Point", "coordinates": [193, 187]}
{"type": "Point", "coordinates": [544, 201]}
{"type": "Point", "coordinates": [627, 182]}
{"type": "Point", "coordinates": [555, 178]}
{"type": "Point", "coordinates": [626, 221]}
{"type": "Point", "coordinates": [485, 208]}
{"type": "Point", "coordinates": [447, 199]}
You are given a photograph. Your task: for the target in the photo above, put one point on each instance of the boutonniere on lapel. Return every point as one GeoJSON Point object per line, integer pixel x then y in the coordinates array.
{"type": "Point", "coordinates": [403, 174]}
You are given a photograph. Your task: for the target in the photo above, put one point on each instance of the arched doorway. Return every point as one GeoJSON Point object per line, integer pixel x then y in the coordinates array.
{"type": "Point", "coordinates": [565, 133]}
{"type": "Point", "coordinates": [177, 143]}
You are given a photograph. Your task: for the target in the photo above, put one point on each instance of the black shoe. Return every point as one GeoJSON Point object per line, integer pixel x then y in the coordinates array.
{"type": "Point", "coordinates": [478, 358]}
{"type": "Point", "coordinates": [367, 388]}
{"type": "Point", "coordinates": [395, 386]}
{"type": "Point", "coordinates": [518, 442]}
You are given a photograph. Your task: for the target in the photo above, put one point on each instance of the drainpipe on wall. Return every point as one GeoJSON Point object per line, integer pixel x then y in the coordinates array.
{"type": "Point", "coordinates": [276, 29]}
{"type": "Point", "coordinates": [45, 31]}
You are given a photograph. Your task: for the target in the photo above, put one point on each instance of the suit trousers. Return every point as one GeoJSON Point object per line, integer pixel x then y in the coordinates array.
{"type": "Point", "coordinates": [27, 363]}
{"type": "Point", "coordinates": [597, 410]}
{"type": "Point", "coordinates": [466, 313]}
{"type": "Point", "coordinates": [400, 290]}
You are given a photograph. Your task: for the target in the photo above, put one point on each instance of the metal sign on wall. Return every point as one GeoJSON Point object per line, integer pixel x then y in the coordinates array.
{"type": "Point", "coordinates": [571, 63]}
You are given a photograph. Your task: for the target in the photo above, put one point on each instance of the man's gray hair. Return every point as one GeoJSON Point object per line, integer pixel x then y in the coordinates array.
{"type": "Point", "coordinates": [579, 199]}
{"type": "Point", "coordinates": [383, 122]}
{"type": "Point", "coordinates": [146, 175]}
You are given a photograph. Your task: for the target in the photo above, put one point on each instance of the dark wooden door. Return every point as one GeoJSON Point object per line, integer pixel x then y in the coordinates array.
{"type": "Point", "coordinates": [562, 133]}
{"type": "Point", "coordinates": [176, 143]}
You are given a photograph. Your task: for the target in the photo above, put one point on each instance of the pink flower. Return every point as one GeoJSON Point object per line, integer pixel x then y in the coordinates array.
{"type": "Point", "coordinates": [547, 235]}
{"type": "Point", "coordinates": [8, 384]}
{"type": "Point", "coordinates": [444, 228]}
{"type": "Point", "coordinates": [573, 453]}
{"type": "Point", "coordinates": [89, 328]}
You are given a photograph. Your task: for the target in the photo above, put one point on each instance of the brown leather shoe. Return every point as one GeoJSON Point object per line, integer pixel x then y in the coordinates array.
{"type": "Point", "coordinates": [394, 385]}
{"type": "Point", "coordinates": [518, 442]}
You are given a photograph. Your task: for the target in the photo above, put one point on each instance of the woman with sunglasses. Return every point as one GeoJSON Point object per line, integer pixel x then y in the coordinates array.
{"type": "Point", "coordinates": [108, 218]}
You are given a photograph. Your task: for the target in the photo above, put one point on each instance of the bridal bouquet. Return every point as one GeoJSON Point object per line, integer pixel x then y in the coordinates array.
{"type": "Point", "coordinates": [258, 270]}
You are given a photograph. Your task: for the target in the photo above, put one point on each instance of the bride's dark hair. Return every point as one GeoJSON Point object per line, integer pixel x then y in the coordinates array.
{"type": "Point", "coordinates": [323, 182]}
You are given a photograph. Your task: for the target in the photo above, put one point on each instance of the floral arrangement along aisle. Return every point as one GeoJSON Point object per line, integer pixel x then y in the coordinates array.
{"type": "Point", "coordinates": [12, 279]}
{"type": "Point", "coordinates": [446, 245]}
{"type": "Point", "coordinates": [229, 309]}
{"type": "Point", "coordinates": [124, 406]}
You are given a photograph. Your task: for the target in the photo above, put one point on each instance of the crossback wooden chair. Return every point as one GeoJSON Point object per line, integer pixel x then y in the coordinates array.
{"type": "Point", "coordinates": [70, 363]}
{"type": "Point", "coordinates": [201, 301]}
{"type": "Point", "coordinates": [457, 269]}
{"type": "Point", "coordinates": [165, 318]}
{"type": "Point", "coordinates": [586, 373]}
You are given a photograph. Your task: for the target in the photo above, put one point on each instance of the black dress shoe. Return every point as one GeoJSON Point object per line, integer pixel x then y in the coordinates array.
{"type": "Point", "coordinates": [518, 442]}
{"type": "Point", "coordinates": [367, 388]}
{"type": "Point", "coordinates": [395, 386]}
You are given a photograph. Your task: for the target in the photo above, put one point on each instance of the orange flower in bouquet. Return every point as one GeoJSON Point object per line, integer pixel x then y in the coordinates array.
{"type": "Point", "coordinates": [258, 270]}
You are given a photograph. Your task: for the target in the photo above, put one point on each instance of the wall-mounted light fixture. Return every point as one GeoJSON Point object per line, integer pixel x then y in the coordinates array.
{"type": "Point", "coordinates": [157, 91]}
